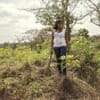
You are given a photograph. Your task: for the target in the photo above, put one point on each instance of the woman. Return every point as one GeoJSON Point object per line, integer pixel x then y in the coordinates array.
{"type": "Point", "coordinates": [59, 44]}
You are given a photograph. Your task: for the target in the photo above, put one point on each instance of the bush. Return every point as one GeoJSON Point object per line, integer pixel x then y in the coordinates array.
{"type": "Point", "coordinates": [83, 48]}
{"type": "Point", "coordinates": [86, 57]}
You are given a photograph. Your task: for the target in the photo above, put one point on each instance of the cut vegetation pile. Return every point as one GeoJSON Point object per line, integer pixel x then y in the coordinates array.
{"type": "Point", "coordinates": [28, 83]}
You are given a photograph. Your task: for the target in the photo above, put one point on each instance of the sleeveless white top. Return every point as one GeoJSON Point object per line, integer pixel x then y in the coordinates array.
{"type": "Point", "coordinates": [59, 39]}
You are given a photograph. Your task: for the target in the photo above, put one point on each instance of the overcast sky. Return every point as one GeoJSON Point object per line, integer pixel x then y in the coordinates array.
{"type": "Point", "coordinates": [14, 21]}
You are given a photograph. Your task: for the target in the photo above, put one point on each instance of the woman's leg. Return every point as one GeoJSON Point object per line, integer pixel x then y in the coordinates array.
{"type": "Point", "coordinates": [57, 53]}
{"type": "Point", "coordinates": [63, 52]}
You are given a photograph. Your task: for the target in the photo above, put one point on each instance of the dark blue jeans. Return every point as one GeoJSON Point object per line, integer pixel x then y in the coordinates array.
{"type": "Point", "coordinates": [59, 52]}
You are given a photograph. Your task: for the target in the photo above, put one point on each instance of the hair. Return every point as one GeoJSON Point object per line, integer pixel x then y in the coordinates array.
{"type": "Point", "coordinates": [58, 22]}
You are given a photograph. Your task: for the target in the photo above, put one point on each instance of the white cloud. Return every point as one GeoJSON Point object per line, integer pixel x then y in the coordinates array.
{"type": "Point", "coordinates": [22, 3]}
{"type": "Point", "coordinates": [14, 20]}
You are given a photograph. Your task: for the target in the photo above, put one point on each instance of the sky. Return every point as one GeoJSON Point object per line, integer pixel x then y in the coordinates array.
{"type": "Point", "coordinates": [14, 20]}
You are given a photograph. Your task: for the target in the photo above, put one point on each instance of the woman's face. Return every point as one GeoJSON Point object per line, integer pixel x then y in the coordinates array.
{"type": "Point", "coordinates": [60, 25]}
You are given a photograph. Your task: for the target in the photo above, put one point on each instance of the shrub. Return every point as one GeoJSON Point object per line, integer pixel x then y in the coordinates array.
{"type": "Point", "coordinates": [83, 48]}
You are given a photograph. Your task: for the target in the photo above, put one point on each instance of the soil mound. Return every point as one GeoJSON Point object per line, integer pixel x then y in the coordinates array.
{"type": "Point", "coordinates": [75, 89]}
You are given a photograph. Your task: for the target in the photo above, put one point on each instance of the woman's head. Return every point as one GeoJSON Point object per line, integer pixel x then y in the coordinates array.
{"type": "Point", "coordinates": [59, 25]}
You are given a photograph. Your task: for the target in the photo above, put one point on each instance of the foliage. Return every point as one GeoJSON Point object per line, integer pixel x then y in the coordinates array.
{"type": "Point", "coordinates": [20, 55]}
{"type": "Point", "coordinates": [83, 32]}
{"type": "Point", "coordinates": [83, 48]}
{"type": "Point", "coordinates": [84, 60]}
{"type": "Point", "coordinates": [54, 9]}
{"type": "Point", "coordinates": [87, 58]}
{"type": "Point", "coordinates": [94, 11]}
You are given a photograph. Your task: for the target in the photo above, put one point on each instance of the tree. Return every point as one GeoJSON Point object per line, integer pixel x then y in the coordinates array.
{"type": "Point", "coordinates": [94, 5]}
{"type": "Point", "coordinates": [56, 9]}
{"type": "Point", "coordinates": [83, 32]}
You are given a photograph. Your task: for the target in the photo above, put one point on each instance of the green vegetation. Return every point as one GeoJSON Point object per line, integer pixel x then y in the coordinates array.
{"type": "Point", "coordinates": [23, 72]}
{"type": "Point", "coordinates": [20, 69]}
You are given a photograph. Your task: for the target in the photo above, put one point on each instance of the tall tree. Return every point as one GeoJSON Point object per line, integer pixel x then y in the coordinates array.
{"type": "Point", "coordinates": [94, 5]}
{"type": "Point", "coordinates": [65, 9]}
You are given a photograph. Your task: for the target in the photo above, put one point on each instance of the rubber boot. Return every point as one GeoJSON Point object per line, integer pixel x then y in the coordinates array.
{"type": "Point", "coordinates": [64, 71]}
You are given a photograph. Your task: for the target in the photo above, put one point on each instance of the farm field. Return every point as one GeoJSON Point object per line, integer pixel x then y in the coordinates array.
{"type": "Point", "coordinates": [23, 73]}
